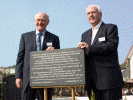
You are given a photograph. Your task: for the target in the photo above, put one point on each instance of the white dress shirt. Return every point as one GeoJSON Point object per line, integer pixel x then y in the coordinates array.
{"type": "Point", "coordinates": [95, 30]}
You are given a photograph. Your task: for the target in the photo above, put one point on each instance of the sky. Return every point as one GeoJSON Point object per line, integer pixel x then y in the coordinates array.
{"type": "Point", "coordinates": [68, 20]}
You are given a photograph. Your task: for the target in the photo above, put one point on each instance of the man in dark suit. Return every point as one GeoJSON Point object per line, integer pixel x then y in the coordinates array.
{"type": "Point", "coordinates": [103, 73]}
{"type": "Point", "coordinates": [29, 42]}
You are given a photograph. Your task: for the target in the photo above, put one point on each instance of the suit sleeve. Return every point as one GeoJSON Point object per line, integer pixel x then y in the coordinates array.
{"type": "Point", "coordinates": [109, 46]}
{"type": "Point", "coordinates": [57, 43]}
{"type": "Point", "coordinates": [20, 59]}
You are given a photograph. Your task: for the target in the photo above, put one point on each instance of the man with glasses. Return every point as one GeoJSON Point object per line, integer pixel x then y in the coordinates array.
{"type": "Point", "coordinates": [103, 73]}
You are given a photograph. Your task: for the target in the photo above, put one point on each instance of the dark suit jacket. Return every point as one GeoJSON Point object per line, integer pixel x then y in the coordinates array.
{"type": "Point", "coordinates": [102, 66]}
{"type": "Point", "coordinates": [27, 44]}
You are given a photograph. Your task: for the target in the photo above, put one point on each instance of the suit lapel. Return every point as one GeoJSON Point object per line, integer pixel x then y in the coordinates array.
{"type": "Point", "coordinates": [45, 40]}
{"type": "Point", "coordinates": [89, 36]}
{"type": "Point", "coordinates": [98, 33]}
{"type": "Point", "coordinates": [33, 40]}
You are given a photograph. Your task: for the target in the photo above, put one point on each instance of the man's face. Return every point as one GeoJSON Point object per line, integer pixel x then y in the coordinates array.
{"type": "Point", "coordinates": [41, 21]}
{"type": "Point", "coordinates": [94, 17]}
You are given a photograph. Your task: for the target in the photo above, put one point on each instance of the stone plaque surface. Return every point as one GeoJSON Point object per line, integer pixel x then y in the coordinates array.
{"type": "Point", "coordinates": [60, 67]}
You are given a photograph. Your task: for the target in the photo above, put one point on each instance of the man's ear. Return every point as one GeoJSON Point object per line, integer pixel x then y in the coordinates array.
{"type": "Point", "coordinates": [100, 14]}
{"type": "Point", "coordinates": [34, 21]}
{"type": "Point", "coordinates": [48, 22]}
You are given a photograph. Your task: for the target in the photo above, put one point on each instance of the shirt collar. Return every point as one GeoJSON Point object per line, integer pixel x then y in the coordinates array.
{"type": "Point", "coordinates": [41, 32]}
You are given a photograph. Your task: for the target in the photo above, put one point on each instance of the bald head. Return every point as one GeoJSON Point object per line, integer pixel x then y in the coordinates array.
{"type": "Point", "coordinates": [41, 21]}
{"type": "Point", "coordinates": [46, 16]}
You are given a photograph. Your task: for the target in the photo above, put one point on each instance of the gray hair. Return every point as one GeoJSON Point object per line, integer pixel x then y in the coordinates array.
{"type": "Point", "coordinates": [96, 6]}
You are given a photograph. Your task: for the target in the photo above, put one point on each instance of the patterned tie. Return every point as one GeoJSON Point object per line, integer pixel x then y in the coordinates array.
{"type": "Point", "coordinates": [39, 41]}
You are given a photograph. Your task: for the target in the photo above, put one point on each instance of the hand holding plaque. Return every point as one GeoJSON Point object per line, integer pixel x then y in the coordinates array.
{"type": "Point", "coordinates": [50, 48]}
{"type": "Point", "coordinates": [83, 45]}
{"type": "Point", "coordinates": [49, 44]}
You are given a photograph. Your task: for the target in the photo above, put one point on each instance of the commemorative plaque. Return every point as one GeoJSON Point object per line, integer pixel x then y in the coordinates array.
{"type": "Point", "coordinates": [59, 67]}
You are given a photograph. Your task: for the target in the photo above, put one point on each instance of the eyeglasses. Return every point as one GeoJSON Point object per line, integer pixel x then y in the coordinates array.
{"type": "Point", "coordinates": [93, 12]}
{"type": "Point", "coordinates": [40, 20]}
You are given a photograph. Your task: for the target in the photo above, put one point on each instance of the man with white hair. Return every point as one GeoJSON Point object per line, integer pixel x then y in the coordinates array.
{"type": "Point", "coordinates": [103, 73]}
{"type": "Point", "coordinates": [34, 41]}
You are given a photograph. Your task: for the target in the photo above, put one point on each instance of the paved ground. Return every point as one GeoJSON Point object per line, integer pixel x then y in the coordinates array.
{"type": "Point", "coordinates": [70, 98]}
{"type": "Point", "coordinates": [129, 97]}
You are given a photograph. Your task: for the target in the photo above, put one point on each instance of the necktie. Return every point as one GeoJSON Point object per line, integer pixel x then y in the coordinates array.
{"type": "Point", "coordinates": [39, 41]}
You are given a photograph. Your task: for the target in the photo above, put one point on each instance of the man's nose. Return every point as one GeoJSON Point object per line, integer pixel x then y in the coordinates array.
{"type": "Point", "coordinates": [91, 14]}
{"type": "Point", "coordinates": [40, 21]}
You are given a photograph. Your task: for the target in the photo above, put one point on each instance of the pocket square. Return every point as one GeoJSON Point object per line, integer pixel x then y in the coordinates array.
{"type": "Point", "coordinates": [101, 39]}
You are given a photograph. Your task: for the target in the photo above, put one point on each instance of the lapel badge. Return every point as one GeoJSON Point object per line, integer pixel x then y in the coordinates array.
{"type": "Point", "coordinates": [99, 31]}
{"type": "Point", "coordinates": [49, 44]}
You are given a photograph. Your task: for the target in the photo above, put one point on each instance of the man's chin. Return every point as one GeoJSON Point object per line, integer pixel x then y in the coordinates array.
{"type": "Point", "coordinates": [92, 21]}
{"type": "Point", "coordinates": [40, 29]}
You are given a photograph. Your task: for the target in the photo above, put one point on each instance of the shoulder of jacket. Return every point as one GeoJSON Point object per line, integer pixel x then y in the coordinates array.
{"type": "Point", "coordinates": [87, 31]}
{"type": "Point", "coordinates": [51, 34]}
{"type": "Point", "coordinates": [110, 25]}
{"type": "Point", "coordinates": [28, 33]}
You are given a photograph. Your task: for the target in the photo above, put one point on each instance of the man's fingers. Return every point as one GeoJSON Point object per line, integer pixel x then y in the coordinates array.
{"type": "Point", "coordinates": [82, 44]}
{"type": "Point", "coordinates": [19, 83]}
{"type": "Point", "coordinates": [50, 48]}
